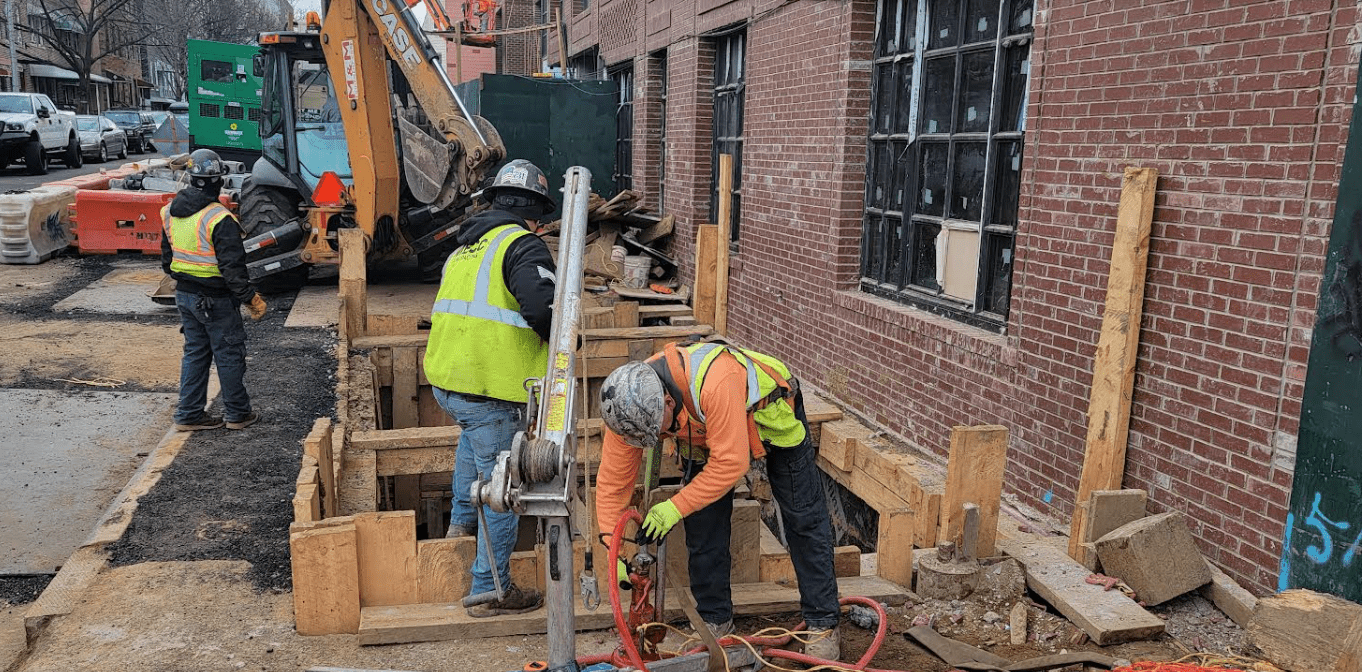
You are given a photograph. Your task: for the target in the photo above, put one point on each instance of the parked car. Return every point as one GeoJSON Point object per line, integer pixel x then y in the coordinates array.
{"type": "Point", "coordinates": [34, 130]}
{"type": "Point", "coordinates": [101, 138]}
{"type": "Point", "coordinates": [139, 127]}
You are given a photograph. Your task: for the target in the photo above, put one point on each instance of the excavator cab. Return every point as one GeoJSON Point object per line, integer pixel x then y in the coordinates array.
{"type": "Point", "coordinates": [302, 135]}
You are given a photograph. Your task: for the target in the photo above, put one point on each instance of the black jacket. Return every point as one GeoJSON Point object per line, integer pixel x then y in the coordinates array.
{"type": "Point", "coordinates": [227, 245]}
{"type": "Point", "coordinates": [528, 268]}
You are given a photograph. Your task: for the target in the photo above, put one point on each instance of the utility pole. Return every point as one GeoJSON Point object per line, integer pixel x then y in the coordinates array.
{"type": "Point", "coordinates": [9, 36]}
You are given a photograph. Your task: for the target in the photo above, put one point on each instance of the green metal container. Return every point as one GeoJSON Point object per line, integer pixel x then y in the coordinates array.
{"type": "Point", "coordinates": [224, 99]}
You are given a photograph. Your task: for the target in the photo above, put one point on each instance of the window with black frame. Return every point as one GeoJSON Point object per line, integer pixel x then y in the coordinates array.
{"type": "Point", "coordinates": [624, 128]}
{"type": "Point", "coordinates": [948, 111]}
{"type": "Point", "coordinates": [730, 73]}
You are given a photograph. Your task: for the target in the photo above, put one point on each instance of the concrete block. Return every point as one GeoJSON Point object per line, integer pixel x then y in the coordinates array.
{"type": "Point", "coordinates": [1156, 556]}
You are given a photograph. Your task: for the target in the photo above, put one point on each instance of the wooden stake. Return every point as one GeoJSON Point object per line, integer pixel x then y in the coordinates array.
{"type": "Point", "coordinates": [1114, 369]}
{"type": "Point", "coordinates": [725, 235]}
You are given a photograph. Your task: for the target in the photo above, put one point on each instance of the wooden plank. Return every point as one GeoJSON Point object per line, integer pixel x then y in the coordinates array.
{"type": "Point", "coordinates": [386, 547]}
{"type": "Point", "coordinates": [383, 364]}
{"type": "Point", "coordinates": [974, 473]}
{"type": "Point", "coordinates": [626, 315]}
{"type": "Point", "coordinates": [599, 367]}
{"type": "Point", "coordinates": [525, 570]}
{"type": "Point", "coordinates": [407, 492]}
{"type": "Point", "coordinates": [663, 311]}
{"type": "Point", "coordinates": [430, 622]}
{"type": "Point", "coordinates": [894, 546]}
{"type": "Point", "coordinates": [405, 388]}
{"type": "Point", "coordinates": [706, 271]}
{"type": "Point", "coordinates": [443, 569]}
{"type": "Point", "coordinates": [389, 341]}
{"type": "Point", "coordinates": [318, 446]}
{"type": "Point", "coordinates": [646, 332]}
{"type": "Point", "coordinates": [1107, 616]}
{"type": "Point", "coordinates": [421, 379]}
{"type": "Point", "coordinates": [640, 350]}
{"type": "Point", "coordinates": [875, 496]}
{"type": "Point", "coordinates": [428, 411]}
{"type": "Point", "coordinates": [325, 580]}
{"type": "Point", "coordinates": [410, 437]}
{"type": "Point", "coordinates": [307, 504]}
{"type": "Point", "coordinates": [1117, 347]}
{"type": "Point", "coordinates": [837, 442]}
{"type": "Point", "coordinates": [725, 223]}
{"type": "Point", "coordinates": [1105, 511]}
{"type": "Point", "coordinates": [681, 295]}
{"type": "Point", "coordinates": [354, 289]}
{"type": "Point", "coordinates": [776, 566]}
{"type": "Point", "coordinates": [927, 505]}
{"type": "Point", "coordinates": [1230, 597]}
{"type": "Point", "coordinates": [405, 462]}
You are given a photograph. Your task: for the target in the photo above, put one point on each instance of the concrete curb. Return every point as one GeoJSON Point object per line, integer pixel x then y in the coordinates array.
{"type": "Point", "coordinates": [79, 572]}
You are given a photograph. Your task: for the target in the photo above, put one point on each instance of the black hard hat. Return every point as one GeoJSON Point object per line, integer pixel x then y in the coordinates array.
{"type": "Point", "coordinates": [206, 163]}
{"type": "Point", "coordinates": [523, 179]}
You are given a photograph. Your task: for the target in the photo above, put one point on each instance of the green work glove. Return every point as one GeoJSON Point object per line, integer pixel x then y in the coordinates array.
{"type": "Point", "coordinates": [660, 520]}
{"type": "Point", "coordinates": [623, 575]}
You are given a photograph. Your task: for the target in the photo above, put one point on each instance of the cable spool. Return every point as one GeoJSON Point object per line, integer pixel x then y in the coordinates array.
{"type": "Point", "coordinates": [540, 462]}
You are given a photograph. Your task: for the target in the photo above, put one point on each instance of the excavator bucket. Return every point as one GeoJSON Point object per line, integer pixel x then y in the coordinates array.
{"type": "Point", "coordinates": [426, 160]}
{"type": "Point", "coordinates": [164, 293]}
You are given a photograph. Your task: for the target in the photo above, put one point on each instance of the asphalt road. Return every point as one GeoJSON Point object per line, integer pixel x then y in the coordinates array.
{"type": "Point", "coordinates": [16, 176]}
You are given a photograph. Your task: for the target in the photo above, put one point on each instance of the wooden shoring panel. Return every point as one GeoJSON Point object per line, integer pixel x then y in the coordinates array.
{"type": "Point", "coordinates": [317, 444]}
{"type": "Point", "coordinates": [325, 580]}
{"type": "Point", "coordinates": [1113, 377]}
{"type": "Point", "coordinates": [354, 281]}
{"type": "Point", "coordinates": [978, 456]}
{"type": "Point", "coordinates": [706, 271]}
{"type": "Point", "coordinates": [386, 547]}
{"type": "Point", "coordinates": [406, 361]}
{"type": "Point", "coordinates": [725, 222]}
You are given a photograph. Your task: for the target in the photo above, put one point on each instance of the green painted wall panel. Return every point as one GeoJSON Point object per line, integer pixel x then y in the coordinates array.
{"type": "Point", "coordinates": [1322, 550]}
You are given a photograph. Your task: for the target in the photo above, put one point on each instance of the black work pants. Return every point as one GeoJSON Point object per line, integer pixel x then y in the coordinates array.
{"type": "Point", "coordinates": [798, 491]}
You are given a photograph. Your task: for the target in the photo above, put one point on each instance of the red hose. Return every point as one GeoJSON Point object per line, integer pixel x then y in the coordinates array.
{"type": "Point", "coordinates": [633, 657]}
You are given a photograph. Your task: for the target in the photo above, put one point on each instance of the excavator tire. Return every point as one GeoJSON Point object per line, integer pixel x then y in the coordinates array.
{"type": "Point", "coordinates": [262, 209]}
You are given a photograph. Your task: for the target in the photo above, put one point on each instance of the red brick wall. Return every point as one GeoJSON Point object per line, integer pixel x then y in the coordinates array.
{"type": "Point", "coordinates": [1241, 106]}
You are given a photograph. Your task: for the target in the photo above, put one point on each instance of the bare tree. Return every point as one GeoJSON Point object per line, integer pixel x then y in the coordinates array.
{"type": "Point", "coordinates": [235, 21]}
{"type": "Point", "coordinates": [83, 32]}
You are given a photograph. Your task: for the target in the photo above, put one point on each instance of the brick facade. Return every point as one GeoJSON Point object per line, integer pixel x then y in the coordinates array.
{"type": "Point", "coordinates": [1243, 108]}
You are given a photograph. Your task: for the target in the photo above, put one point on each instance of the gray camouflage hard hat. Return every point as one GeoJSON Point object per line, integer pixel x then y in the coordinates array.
{"type": "Point", "coordinates": [524, 180]}
{"type": "Point", "coordinates": [206, 163]}
{"type": "Point", "coordinates": [633, 402]}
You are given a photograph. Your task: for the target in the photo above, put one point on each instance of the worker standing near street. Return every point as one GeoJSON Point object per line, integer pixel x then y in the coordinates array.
{"type": "Point", "coordinates": [725, 407]}
{"type": "Point", "coordinates": [201, 248]}
{"type": "Point", "coordinates": [489, 331]}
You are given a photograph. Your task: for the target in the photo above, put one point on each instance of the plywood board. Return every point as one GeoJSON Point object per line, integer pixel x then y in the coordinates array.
{"type": "Point", "coordinates": [386, 543]}
{"type": "Point", "coordinates": [978, 456]}
{"type": "Point", "coordinates": [427, 623]}
{"type": "Point", "coordinates": [325, 580]}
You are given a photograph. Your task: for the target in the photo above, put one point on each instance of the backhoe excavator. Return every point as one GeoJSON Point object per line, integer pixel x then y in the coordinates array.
{"type": "Point", "coordinates": [337, 98]}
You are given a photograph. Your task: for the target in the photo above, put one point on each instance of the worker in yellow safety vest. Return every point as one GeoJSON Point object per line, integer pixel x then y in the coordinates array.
{"type": "Point", "coordinates": [489, 330]}
{"type": "Point", "coordinates": [201, 249]}
{"type": "Point", "coordinates": [726, 408]}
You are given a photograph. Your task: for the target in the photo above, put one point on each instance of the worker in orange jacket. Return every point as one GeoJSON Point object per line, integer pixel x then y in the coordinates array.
{"type": "Point", "coordinates": [725, 407]}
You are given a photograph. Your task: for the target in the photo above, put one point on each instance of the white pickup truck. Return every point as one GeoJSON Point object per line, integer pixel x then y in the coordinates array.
{"type": "Point", "coordinates": [33, 129]}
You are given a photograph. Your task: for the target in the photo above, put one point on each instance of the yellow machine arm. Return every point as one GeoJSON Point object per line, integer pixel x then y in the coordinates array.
{"type": "Point", "coordinates": [442, 169]}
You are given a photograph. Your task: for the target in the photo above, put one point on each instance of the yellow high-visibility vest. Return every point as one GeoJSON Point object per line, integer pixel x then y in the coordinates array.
{"type": "Point", "coordinates": [191, 240]}
{"type": "Point", "coordinates": [479, 343]}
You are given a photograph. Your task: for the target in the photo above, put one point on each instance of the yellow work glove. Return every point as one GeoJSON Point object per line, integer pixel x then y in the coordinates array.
{"type": "Point", "coordinates": [623, 575]}
{"type": "Point", "coordinates": [660, 520]}
{"type": "Point", "coordinates": [256, 308]}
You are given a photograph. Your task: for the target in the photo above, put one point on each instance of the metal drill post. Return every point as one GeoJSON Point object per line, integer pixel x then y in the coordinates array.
{"type": "Point", "coordinates": [557, 419]}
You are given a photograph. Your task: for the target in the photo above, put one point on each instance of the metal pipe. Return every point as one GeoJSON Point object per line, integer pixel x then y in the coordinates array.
{"type": "Point", "coordinates": [558, 402]}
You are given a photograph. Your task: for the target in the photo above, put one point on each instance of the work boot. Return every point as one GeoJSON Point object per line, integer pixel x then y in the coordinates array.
{"type": "Point", "coordinates": [244, 422]}
{"type": "Point", "coordinates": [824, 643]}
{"type": "Point", "coordinates": [455, 530]}
{"type": "Point", "coordinates": [516, 601]}
{"type": "Point", "coordinates": [204, 421]}
{"type": "Point", "coordinates": [720, 630]}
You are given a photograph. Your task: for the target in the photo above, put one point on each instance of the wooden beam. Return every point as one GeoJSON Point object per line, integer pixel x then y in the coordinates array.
{"type": "Point", "coordinates": [406, 390]}
{"type": "Point", "coordinates": [647, 332]}
{"type": "Point", "coordinates": [1351, 661]}
{"type": "Point", "coordinates": [317, 444]}
{"type": "Point", "coordinates": [354, 248]}
{"type": "Point", "coordinates": [626, 315]}
{"type": "Point", "coordinates": [706, 271]}
{"type": "Point", "coordinates": [894, 546]}
{"type": "Point", "coordinates": [1117, 348]}
{"type": "Point", "coordinates": [389, 341]}
{"type": "Point", "coordinates": [438, 622]}
{"type": "Point", "coordinates": [386, 543]}
{"type": "Point", "coordinates": [410, 437]}
{"type": "Point", "coordinates": [974, 473]}
{"type": "Point", "coordinates": [1108, 617]}
{"type": "Point", "coordinates": [325, 581]}
{"type": "Point", "coordinates": [725, 235]}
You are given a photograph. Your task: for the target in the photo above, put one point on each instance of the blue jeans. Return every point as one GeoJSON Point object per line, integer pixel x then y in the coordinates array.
{"type": "Point", "coordinates": [213, 333]}
{"type": "Point", "coordinates": [488, 426]}
{"type": "Point", "coordinates": [798, 491]}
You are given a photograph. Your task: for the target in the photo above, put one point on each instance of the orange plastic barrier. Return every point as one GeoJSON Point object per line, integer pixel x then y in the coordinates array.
{"type": "Point", "coordinates": [108, 221]}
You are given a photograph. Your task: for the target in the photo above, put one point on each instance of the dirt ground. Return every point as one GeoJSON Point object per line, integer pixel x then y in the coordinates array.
{"type": "Point", "coordinates": [200, 581]}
